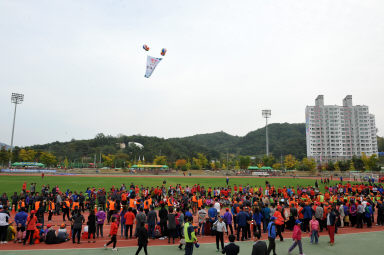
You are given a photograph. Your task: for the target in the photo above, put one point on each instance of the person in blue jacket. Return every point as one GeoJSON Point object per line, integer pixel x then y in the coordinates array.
{"type": "Point", "coordinates": [307, 213]}
{"type": "Point", "coordinates": [20, 220]}
{"type": "Point", "coordinates": [242, 218]}
{"type": "Point", "coordinates": [257, 217]}
{"type": "Point", "coordinates": [272, 236]}
{"type": "Point", "coordinates": [266, 214]}
{"type": "Point", "coordinates": [212, 215]}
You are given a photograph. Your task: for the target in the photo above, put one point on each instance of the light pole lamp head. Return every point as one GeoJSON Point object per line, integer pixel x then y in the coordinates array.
{"type": "Point", "coordinates": [266, 113]}
{"type": "Point", "coordinates": [17, 98]}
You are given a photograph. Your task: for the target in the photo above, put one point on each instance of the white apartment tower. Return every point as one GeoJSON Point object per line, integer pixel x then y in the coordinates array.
{"type": "Point", "coordinates": [339, 132]}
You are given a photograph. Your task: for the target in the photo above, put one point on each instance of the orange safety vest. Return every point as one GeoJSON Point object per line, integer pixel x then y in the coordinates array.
{"type": "Point", "coordinates": [200, 202]}
{"type": "Point", "coordinates": [51, 206]}
{"type": "Point", "coordinates": [66, 204]}
{"type": "Point", "coordinates": [112, 205]}
{"type": "Point", "coordinates": [170, 202]}
{"type": "Point", "coordinates": [21, 205]}
{"type": "Point", "coordinates": [75, 204]}
{"type": "Point", "coordinates": [37, 205]}
{"type": "Point", "coordinates": [146, 204]}
{"type": "Point", "coordinates": [132, 203]}
{"type": "Point", "coordinates": [194, 199]}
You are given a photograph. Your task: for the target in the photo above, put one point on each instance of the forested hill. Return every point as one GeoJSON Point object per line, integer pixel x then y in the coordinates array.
{"type": "Point", "coordinates": [284, 139]}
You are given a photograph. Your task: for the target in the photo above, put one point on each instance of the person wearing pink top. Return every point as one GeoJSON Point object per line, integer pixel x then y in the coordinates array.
{"type": "Point", "coordinates": [296, 236]}
{"type": "Point", "coordinates": [314, 228]}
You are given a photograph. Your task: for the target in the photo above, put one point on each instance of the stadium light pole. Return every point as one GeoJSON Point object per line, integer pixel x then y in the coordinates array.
{"type": "Point", "coordinates": [266, 114]}
{"type": "Point", "coordinates": [16, 99]}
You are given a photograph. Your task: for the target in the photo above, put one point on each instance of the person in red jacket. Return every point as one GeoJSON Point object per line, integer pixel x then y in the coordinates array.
{"type": "Point", "coordinates": [31, 225]}
{"type": "Point", "coordinates": [279, 223]}
{"type": "Point", "coordinates": [296, 236]}
{"type": "Point", "coordinates": [112, 234]}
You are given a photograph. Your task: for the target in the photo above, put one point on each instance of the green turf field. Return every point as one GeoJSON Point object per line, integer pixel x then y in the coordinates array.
{"type": "Point", "coordinates": [352, 244]}
{"type": "Point", "coordinates": [10, 184]}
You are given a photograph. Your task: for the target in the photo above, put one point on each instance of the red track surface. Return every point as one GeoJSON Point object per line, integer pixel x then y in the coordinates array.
{"type": "Point", "coordinates": [121, 242]}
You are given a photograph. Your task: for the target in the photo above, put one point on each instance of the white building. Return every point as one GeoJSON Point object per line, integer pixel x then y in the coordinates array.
{"type": "Point", "coordinates": [339, 132]}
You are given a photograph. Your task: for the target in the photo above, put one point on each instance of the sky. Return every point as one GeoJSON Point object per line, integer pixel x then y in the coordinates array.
{"type": "Point", "coordinates": [80, 65]}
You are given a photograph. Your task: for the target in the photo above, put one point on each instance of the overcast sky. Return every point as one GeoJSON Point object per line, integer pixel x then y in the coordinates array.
{"type": "Point", "coordinates": [81, 64]}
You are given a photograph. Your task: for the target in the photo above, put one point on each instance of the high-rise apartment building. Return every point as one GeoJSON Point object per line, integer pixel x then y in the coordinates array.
{"type": "Point", "coordinates": [339, 132]}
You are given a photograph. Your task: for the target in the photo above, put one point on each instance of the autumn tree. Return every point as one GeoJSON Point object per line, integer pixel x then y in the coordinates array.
{"type": "Point", "coordinates": [27, 155]}
{"type": "Point", "coordinates": [108, 160]}
{"type": "Point", "coordinates": [180, 163]}
{"type": "Point", "coordinates": [290, 162]}
{"type": "Point", "coordinates": [277, 166]}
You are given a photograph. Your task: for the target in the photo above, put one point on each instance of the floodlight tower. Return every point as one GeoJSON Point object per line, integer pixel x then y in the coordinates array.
{"type": "Point", "coordinates": [16, 99]}
{"type": "Point", "coordinates": [266, 115]}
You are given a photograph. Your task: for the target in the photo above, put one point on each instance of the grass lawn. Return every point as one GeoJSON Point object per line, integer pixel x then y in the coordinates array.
{"type": "Point", "coordinates": [10, 184]}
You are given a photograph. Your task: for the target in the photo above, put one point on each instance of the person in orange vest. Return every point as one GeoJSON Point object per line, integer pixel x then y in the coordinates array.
{"type": "Point", "coordinates": [75, 204]}
{"type": "Point", "coordinates": [112, 208]}
{"type": "Point", "coordinates": [51, 209]}
{"type": "Point", "coordinates": [132, 203]}
{"type": "Point", "coordinates": [124, 198]}
{"type": "Point", "coordinates": [37, 205]}
{"type": "Point", "coordinates": [170, 203]}
{"type": "Point", "coordinates": [199, 202]}
{"type": "Point", "coordinates": [146, 206]}
{"type": "Point", "coordinates": [66, 205]}
{"type": "Point", "coordinates": [194, 204]}
{"type": "Point", "coordinates": [21, 204]}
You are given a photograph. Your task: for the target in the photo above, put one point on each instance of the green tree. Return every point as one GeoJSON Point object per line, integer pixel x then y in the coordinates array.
{"type": "Point", "coordinates": [244, 162]}
{"type": "Point", "coordinates": [337, 166]}
{"type": "Point", "coordinates": [47, 159]}
{"type": "Point", "coordinates": [352, 166]}
{"type": "Point", "coordinates": [160, 160]}
{"type": "Point", "coordinates": [365, 160]}
{"type": "Point", "coordinates": [277, 166]}
{"type": "Point", "coordinates": [187, 166]}
{"type": "Point", "coordinates": [380, 143]}
{"type": "Point", "coordinates": [66, 163]}
{"type": "Point", "coordinates": [330, 166]}
{"type": "Point", "coordinates": [307, 164]}
{"type": "Point", "coordinates": [372, 162]}
{"type": "Point", "coordinates": [268, 160]}
{"type": "Point", "coordinates": [203, 161]}
{"type": "Point", "coordinates": [4, 156]}
{"type": "Point", "coordinates": [358, 163]}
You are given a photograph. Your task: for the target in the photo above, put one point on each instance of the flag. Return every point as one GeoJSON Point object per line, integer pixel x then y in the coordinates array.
{"type": "Point", "coordinates": [151, 65]}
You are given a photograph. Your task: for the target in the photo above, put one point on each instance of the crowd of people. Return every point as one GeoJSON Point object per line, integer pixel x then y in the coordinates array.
{"type": "Point", "coordinates": [183, 213]}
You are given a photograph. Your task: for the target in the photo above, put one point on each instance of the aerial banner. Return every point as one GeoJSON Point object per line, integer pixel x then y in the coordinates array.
{"type": "Point", "coordinates": [151, 65]}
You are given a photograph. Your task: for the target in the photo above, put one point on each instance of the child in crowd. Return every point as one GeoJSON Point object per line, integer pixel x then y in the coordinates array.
{"type": "Point", "coordinates": [296, 236]}
{"type": "Point", "coordinates": [113, 234]}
